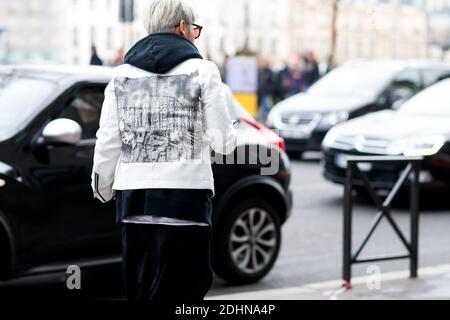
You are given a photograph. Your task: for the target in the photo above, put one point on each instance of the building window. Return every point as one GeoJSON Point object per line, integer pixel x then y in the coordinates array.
{"type": "Point", "coordinates": [110, 38]}
{"type": "Point", "coordinates": [274, 46]}
{"type": "Point", "coordinates": [222, 44]}
{"type": "Point", "coordinates": [93, 35]}
{"type": "Point", "coordinates": [75, 37]}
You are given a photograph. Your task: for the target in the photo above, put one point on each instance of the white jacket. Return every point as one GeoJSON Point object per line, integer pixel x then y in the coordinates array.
{"type": "Point", "coordinates": [157, 131]}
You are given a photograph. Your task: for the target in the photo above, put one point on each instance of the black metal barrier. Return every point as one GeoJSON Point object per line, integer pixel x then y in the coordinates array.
{"type": "Point", "coordinates": [413, 167]}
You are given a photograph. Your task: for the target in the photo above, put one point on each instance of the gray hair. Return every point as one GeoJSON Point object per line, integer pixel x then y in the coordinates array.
{"type": "Point", "coordinates": [165, 15]}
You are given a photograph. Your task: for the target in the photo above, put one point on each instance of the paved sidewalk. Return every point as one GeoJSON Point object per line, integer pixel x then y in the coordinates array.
{"type": "Point", "coordinates": [433, 283]}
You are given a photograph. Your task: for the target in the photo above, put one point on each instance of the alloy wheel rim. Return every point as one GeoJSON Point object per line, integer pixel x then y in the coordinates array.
{"type": "Point", "coordinates": [253, 240]}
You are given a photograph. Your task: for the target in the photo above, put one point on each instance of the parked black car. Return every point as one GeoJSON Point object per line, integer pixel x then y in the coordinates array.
{"type": "Point", "coordinates": [348, 92]}
{"type": "Point", "coordinates": [48, 216]}
{"type": "Point", "coordinates": [419, 128]}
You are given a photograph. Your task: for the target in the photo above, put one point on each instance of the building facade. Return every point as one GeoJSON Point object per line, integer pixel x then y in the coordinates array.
{"type": "Point", "coordinates": [59, 31]}
{"type": "Point", "coordinates": [381, 30]}
{"type": "Point", "coordinates": [439, 27]}
{"type": "Point", "coordinates": [63, 31]}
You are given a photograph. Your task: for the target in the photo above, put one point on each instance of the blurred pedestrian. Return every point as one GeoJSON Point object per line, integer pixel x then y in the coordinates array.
{"type": "Point", "coordinates": [223, 68]}
{"type": "Point", "coordinates": [311, 72]}
{"type": "Point", "coordinates": [280, 92]}
{"type": "Point", "coordinates": [95, 59]}
{"type": "Point", "coordinates": [266, 85]}
{"type": "Point", "coordinates": [150, 156]}
{"type": "Point", "coordinates": [293, 77]}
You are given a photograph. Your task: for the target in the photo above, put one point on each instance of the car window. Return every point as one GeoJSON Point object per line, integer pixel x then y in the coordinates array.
{"type": "Point", "coordinates": [21, 98]}
{"type": "Point", "coordinates": [84, 107]}
{"type": "Point", "coordinates": [235, 109]}
{"type": "Point", "coordinates": [432, 76]}
{"type": "Point", "coordinates": [405, 85]}
{"type": "Point", "coordinates": [432, 101]}
{"type": "Point", "coordinates": [366, 80]}
{"type": "Point", "coordinates": [240, 112]}
{"type": "Point", "coordinates": [231, 104]}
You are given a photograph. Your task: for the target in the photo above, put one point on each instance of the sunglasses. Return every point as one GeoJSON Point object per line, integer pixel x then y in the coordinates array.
{"type": "Point", "coordinates": [197, 29]}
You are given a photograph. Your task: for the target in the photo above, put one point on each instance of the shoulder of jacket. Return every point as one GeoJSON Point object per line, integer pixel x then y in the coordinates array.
{"type": "Point", "coordinates": [199, 63]}
{"type": "Point", "coordinates": [129, 71]}
{"type": "Point", "coordinates": [120, 68]}
{"type": "Point", "coordinates": [210, 65]}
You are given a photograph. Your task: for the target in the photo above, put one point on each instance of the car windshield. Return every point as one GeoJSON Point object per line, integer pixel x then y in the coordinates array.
{"type": "Point", "coordinates": [19, 98]}
{"type": "Point", "coordinates": [364, 80]}
{"type": "Point", "coordinates": [433, 101]}
{"type": "Point", "coordinates": [236, 110]}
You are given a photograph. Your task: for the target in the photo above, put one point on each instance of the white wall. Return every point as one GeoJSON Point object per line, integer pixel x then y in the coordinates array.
{"type": "Point", "coordinates": [61, 30]}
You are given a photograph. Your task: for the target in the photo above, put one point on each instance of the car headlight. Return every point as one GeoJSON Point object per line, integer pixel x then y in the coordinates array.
{"type": "Point", "coordinates": [329, 139]}
{"type": "Point", "coordinates": [273, 119]}
{"type": "Point", "coordinates": [427, 146]}
{"type": "Point", "coordinates": [331, 119]}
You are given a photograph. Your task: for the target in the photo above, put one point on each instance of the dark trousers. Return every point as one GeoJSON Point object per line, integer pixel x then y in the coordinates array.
{"type": "Point", "coordinates": [166, 263]}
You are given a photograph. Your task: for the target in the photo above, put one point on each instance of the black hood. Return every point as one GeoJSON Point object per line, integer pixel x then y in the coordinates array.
{"type": "Point", "coordinates": [161, 52]}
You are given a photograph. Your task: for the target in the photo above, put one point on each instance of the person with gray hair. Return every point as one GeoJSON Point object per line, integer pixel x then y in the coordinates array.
{"type": "Point", "coordinates": [164, 110]}
{"type": "Point", "coordinates": [166, 15]}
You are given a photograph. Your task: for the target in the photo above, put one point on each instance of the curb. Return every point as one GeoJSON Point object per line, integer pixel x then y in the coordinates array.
{"type": "Point", "coordinates": [332, 290]}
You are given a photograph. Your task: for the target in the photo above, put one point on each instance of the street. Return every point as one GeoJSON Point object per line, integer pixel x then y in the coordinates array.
{"type": "Point", "coordinates": [141, 135]}
{"type": "Point", "coordinates": [312, 241]}
{"type": "Point", "coordinates": [312, 237]}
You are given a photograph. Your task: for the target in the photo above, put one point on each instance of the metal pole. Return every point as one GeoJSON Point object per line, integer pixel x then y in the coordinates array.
{"type": "Point", "coordinates": [333, 39]}
{"type": "Point", "coordinates": [415, 203]}
{"type": "Point", "coordinates": [247, 25]}
{"type": "Point", "coordinates": [291, 26]}
{"type": "Point", "coordinates": [348, 198]}
{"type": "Point", "coordinates": [413, 169]}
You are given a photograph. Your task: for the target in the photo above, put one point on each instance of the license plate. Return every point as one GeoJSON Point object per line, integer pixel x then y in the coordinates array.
{"type": "Point", "coordinates": [295, 134]}
{"type": "Point", "coordinates": [341, 162]}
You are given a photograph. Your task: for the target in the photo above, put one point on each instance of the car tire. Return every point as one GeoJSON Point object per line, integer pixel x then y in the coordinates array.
{"type": "Point", "coordinates": [239, 257]}
{"type": "Point", "coordinates": [5, 256]}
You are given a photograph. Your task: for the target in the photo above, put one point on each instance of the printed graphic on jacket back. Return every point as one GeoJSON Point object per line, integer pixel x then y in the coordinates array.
{"type": "Point", "coordinates": [161, 118]}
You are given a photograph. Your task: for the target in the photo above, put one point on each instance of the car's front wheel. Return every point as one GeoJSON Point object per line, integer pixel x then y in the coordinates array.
{"type": "Point", "coordinates": [248, 242]}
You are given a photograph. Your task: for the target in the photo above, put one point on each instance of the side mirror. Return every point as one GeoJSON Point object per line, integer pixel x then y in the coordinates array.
{"type": "Point", "coordinates": [62, 131]}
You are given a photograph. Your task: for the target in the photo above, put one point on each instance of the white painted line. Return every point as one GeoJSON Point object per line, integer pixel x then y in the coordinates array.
{"type": "Point", "coordinates": [328, 289]}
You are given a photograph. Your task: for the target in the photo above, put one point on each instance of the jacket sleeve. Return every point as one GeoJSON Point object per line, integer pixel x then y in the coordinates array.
{"type": "Point", "coordinates": [220, 130]}
{"type": "Point", "coordinates": [107, 149]}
